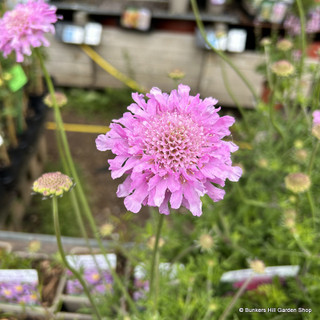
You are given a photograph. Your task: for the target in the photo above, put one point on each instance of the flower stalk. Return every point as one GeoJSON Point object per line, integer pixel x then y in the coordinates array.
{"type": "Point", "coordinates": [63, 257]}
{"type": "Point", "coordinates": [154, 271]}
{"type": "Point", "coordinates": [235, 298]}
{"type": "Point", "coordinates": [70, 167]}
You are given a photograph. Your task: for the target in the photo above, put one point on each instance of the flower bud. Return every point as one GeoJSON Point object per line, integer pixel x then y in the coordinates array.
{"type": "Point", "coordinates": [257, 266]}
{"type": "Point", "coordinates": [52, 184]}
{"type": "Point", "coordinates": [297, 182]}
{"type": "Point", "coordinates": [284, 45]}
{"type": "Point", "coordinates": [206, 242]}
{"type": "Point", "coordinates": [106, 229]}
{"type": "Point", "coordinates": [61, 99]}
{"type": "Point", "coordinates": [282, 68]}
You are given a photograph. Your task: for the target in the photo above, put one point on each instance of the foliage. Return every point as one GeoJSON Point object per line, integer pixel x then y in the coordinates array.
{"type": "Point", "coordinates": [108, 103]}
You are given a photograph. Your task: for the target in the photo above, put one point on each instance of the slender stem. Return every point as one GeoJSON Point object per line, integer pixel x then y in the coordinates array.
{"type": "Point", "coordinates": [219, 52]}
{"type": "Point", "coordinates": [79, 190]}
{"type": "Point", "coordinates": [187, 309]}
{"type": "Point", "coordinates": [302, 35]}
{"type": "Point", "coordinates": [312, 207]}
{"type": "Point", "coordinates": [300, 245]}
{"type": "Point", "coordinates": [154, 263]}
{"type": "Point", "coordinates": [313, 156]}
{"type": "Point", "coordinates": [209, 292]}
{"type": "Point", "coordinates": [267, 57]}
{"type": "Point", "coordinates": [235, 298]}
{"type": "Point", "coordinates": [235, 100]}
{"type": "Point", "coordinates": [182, 253]}
{"type": "Point", "coordinates": [271, 111]}
{"type": "Point", "coordinates": [63, 257]}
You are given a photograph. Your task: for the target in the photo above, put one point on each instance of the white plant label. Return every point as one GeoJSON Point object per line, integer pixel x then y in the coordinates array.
{"type": "Point", "coordinates": [280, 271]}
{"type": "Point", "coordinates": [19, 275]}
{"type": "Point", "coordinates": [87, 261]}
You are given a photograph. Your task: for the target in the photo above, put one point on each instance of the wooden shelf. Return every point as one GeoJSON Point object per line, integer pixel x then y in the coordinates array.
{"type": "Point", "coordinates": [232, 16]}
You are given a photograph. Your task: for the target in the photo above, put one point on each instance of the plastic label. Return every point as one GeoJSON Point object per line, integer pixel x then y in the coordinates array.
{"type": "Point", "coordinates": [19, 275]}
{"type": "Point", "coordinates": [87, 261]}
{"type": "Point", "coordinates": [281, 271]}
{"type": "Point", "coordinates": [19, 78]}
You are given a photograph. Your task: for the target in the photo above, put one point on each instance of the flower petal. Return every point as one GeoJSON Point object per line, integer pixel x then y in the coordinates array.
{"type": "Point", "coordinates": [103, 142]}
{"type": "Point", "coordinates": [195, 204]}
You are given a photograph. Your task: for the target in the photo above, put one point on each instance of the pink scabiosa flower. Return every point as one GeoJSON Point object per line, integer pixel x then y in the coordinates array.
{"type": "Point", "coordinates": [25, 26]}
{"type": "Point", "coordinates": [316, 117]}
{"type": "Point", "coordinates": [316, 124]}
{"type": "Point", "coordinates": [171, 147]}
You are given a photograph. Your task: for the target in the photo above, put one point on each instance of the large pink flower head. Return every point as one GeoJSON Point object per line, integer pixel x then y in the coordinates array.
{"type": "Point", "coordinates": [171, 147]}
{"type": "Point", "coordinates": [25, 26]}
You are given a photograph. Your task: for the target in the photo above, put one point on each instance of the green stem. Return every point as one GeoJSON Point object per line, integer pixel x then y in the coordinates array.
{"type": "Point", "coordinates": [303, 36]}
{"type": "Point", "coordinates": [182, 253]}
{"type": "Point", "coordinates": [154, 264]}
{"type": "Point", "coordinates": [313, 156]}
{"type": "Point", "coordinates": [187, 305]}
{"type": "Point", "coordinates": [79, 190]}
{"type": "Point", "coordinates": [303, 54]}
{"type": "Point", "coordinates": [235, 298]}
{"type": "Point", "coordinates": [63, 257]}
{"type": "Point", "coordinates": [271, 112]}
{"type": "Point", "coordinates": [312, 207]}
{"type": "Point", "coordinates": [301, 246]}
{"type": "Point", "coordinates": [234, 99]}
{"type": "Point", "coordinates": [267, 57]}
{"type": "Point", "coordinates": [219, 52]}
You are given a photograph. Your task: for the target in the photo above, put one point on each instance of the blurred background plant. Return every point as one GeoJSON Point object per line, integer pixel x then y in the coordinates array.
{"type": "Point", "coordinates": [271, 214]}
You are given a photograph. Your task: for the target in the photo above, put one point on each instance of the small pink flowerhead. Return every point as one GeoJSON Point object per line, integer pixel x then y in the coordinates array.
{"type": "Point", "coordinates": [24, 27]}
{"type": "Point", "coordinates": [106, 229]}
{"type": "Point", "coordinates": [34, 246]}
{"type": "Point", "coordinates": [60, 98]}
{"type": "Point", "coordinates": [172, 149]}
{"type": "Point", "coordinates": [297, 182]}
{"type": "Point", "coordinates": [282, 68]}
{"type": "Point", "coordinates": [284, 45]}
{"type": "Point", "coordinates": [206, 242]}
{"type": "Point", "coordinates": [316, 117]}
{"type": "Point", "coordinates": [265, 42]}
{"type": "Point", "coordinates": [176, 74]}
{"type": "Point", "coordinates": [52, 184]}
{"type": "Point", "coordinates": [257, 266]}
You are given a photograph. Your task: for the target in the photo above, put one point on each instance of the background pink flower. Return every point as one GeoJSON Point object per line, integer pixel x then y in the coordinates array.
{"type": "Point", "coordinates": [25, 26]}
{"type": "Point", "coordinates": [171, 148]}
{"type": "Point", "coordinates": [316, 117]}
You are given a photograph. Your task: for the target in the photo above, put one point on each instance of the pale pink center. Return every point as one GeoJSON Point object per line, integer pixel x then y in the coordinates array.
{"type": "Point", "coordinates": [174, 140]}
{"type": "Point", "coordinates": [18, 20]}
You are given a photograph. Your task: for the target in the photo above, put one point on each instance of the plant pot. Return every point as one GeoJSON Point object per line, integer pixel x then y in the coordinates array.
{"type": "Point", "coordinates": [216, 7]}
{"type": "Point", "coordinates": [5, 247]}
{"type": "Point", "coordinates": [178, 6]}
{"type": "Point", "coordinates": [73, 297]}
{"type": "Point", "coordinates": [72, 316]}
{"type": "Point", "coordinates": [43, 311]}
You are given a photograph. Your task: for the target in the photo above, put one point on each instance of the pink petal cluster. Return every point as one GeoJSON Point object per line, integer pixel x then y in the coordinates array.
{"type": "Point", "coordinates": [16, 292]}
{"type": "Point", "coordinates": [25, 26]}
{"type": "Point", "coordinates": [97, 282]}
{"type": "Point", "coordinates": [171, 148]}
{"type": "Point", "coordinates": [316, 117]}
{"type": "Point", "coordinates": [293, 25]}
